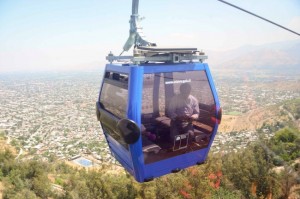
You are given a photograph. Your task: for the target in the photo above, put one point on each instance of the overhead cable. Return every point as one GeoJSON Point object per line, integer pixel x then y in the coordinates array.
{"type": "Point", "coordinates": [276, 24]}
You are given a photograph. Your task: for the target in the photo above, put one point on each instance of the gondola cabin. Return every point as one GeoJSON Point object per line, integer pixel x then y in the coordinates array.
{"type": "Point", "coordinates": [134, 109]}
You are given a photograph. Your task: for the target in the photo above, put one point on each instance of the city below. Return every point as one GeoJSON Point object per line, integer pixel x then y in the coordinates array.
{"type": "Point", "coordinates": [50, 116]}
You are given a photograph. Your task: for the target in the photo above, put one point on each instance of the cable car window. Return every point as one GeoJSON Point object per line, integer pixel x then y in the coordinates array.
{"type": "Point", "coordinates": [114, 98]}
{"type": "Point", "coordinates": [114, 95]}
{"type": "Point", "coordinates": [177, 109]}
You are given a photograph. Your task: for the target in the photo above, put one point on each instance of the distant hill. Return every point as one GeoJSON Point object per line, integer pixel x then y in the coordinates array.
{"type": "Point", "coordinates": [280, 56]}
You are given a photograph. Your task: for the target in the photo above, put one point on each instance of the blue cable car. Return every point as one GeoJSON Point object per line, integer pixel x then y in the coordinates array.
{"type": "Point", "coordinates": [159, 109]}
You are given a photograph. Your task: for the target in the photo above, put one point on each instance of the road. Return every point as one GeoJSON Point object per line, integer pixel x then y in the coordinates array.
{"type": "Point", "coordinates": [8, 140]}
{"type": "Point", "coordinates": [20, 153]}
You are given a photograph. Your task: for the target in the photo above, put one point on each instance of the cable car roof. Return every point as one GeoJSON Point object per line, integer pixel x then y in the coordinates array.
{"type": "Point", "coordinates": [154, 54]}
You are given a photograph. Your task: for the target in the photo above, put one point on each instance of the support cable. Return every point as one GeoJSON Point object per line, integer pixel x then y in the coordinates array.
{"type": "Point", "coordinates": [276, 24]}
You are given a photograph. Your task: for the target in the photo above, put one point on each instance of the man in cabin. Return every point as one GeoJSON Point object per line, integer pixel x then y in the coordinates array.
{"type": "Point", "coordinates": [183, 109]}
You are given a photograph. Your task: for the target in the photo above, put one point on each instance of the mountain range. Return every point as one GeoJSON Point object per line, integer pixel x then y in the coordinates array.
{"type": "Point", "coordinates": [276, 57]}
{"type": "Point", "coordinates": [284, 56]}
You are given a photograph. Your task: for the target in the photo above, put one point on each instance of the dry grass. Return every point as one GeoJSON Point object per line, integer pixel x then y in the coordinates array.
{"type": "Point", "coordinates": [294, 192]}
{"type": "Point", "coordinates": [1, 190]}
{"type": "Point", "coordinates": [4, 146]}
{"type": "Point", "coordinates": [251, 120]}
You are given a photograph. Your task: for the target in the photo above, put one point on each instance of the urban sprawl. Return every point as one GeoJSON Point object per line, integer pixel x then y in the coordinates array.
{"type": "Point", "coordinates": [52, 115]}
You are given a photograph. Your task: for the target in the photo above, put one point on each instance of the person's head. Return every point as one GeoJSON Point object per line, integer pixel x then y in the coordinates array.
{"type": "Point", "coordinates": [185, 90]}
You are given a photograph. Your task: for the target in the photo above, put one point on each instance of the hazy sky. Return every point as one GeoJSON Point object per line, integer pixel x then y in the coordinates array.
{"type": "Point", "coordinates": [68, 34]}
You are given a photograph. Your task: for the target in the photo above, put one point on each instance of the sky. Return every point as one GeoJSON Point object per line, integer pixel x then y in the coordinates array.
{"type": "Point", "coordinates": [51, 35]}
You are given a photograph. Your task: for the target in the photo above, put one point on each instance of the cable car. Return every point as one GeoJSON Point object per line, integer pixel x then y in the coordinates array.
{"type": "Point", "coordinates": [159, 109]}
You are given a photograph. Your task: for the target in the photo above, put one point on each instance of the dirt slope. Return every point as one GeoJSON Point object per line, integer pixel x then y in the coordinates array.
{"type": "Point", "coordinates": [251, 120]}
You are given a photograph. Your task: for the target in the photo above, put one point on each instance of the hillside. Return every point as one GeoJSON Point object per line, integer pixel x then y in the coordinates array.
{"type": "Point", "coordinates": [285, 112]}
{"type": "Point", "coordinates": [4, 146]}
{"type": "Point", "coordinates": [244, 174]}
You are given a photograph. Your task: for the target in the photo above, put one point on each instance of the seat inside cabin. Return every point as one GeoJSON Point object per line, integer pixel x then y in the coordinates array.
{"type": "Point", "coordinates": [156, 129]}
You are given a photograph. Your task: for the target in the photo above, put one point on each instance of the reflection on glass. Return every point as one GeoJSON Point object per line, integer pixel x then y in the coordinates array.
{"type": "Point", "coordinates": [114, 100]}
{"type": "Point", "coordinates": [176, 114]}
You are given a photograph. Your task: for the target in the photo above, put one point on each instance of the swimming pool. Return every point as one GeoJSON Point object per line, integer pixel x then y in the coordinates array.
{"type": "Point", "coordinates": [83, 162]}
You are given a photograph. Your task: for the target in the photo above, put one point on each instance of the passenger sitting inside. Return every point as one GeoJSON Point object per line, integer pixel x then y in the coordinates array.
{"type": "Point", "coordinates": [182, 110]}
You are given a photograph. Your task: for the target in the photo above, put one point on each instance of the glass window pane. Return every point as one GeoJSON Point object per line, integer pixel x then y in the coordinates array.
{"type": "Point", "coordinates": [114, 99]}
{"type": "Point", "coordinates": [176, 114]}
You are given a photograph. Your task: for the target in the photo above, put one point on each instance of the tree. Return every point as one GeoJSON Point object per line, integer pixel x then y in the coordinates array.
{"type": "Point", "coordinates": [98, 186]}
{"type": "Point", "coordinates": [285, 135]}
{"type": "Point", "coordinates": [250, 172]}
{"type": "Point", "coordinates": [286, 144]}
{"type": "Point", "coordinates": [288, 180]}
{"type": "Point", "coordinates": [41, 186]}
{"type": "Point", "coordinates": [24, 194]}
{"type": "Point", "coordinates": [225, 194]}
